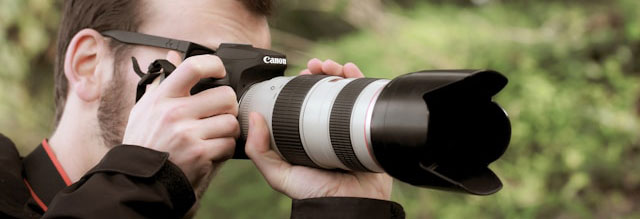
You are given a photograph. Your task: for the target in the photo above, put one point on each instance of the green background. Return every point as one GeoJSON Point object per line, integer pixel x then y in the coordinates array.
{"type": "Point", "coordinates": [573, 96]}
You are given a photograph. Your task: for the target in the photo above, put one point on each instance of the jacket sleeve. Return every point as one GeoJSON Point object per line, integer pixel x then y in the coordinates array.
{"type": "Point", "coordinates": [13, 193]}
{"type": "Point", "coordinates": [129, 182]}
{"type": "Point", "coordinates": [345, 207]}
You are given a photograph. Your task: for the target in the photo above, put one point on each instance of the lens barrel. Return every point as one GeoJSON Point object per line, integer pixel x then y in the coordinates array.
{"type": "Point", "coordinates": [317, 120]}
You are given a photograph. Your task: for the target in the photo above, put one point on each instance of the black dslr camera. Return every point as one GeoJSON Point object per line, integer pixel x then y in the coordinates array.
{"type": "Point", "coordinates": [437, 129]}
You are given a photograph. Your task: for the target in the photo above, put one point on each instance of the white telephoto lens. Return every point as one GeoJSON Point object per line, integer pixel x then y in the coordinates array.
{"type": "Point", "coordinates": [318, 121]}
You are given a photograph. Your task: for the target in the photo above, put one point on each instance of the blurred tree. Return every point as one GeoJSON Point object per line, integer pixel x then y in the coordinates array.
{"type": "Point", "coordinates": [573, 97]}
{"type": "Point", "coordinates": [27, 54]}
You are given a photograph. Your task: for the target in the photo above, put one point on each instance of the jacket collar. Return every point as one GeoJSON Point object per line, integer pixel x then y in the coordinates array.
{"type": "Point", "coordinates": [43, 174]}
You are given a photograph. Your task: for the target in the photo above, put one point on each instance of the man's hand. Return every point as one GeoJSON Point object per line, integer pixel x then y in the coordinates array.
{"type": "Point", "coordinates": [197, 130]}
{"type": "Point", "coordinates": [300, 182]}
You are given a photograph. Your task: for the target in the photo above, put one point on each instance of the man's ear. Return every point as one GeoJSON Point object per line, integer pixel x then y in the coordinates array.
{"type": "Point", "coordinates": [84, 54]}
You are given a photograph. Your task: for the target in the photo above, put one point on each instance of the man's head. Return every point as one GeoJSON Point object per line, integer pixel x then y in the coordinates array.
{"type": "Point", "coordinates": [208, 22]}
{"type": "Point", "coordinates": [94, 79]}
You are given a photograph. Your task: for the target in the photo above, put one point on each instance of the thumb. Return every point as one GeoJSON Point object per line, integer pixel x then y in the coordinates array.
{"type": "Point", "coordinates": [257, 147]}
{"type": "Point", "coordinates": [258, 136]}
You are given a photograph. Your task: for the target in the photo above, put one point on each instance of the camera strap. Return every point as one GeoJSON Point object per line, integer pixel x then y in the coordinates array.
{"type": "Point", "coordinates": [157, 70]}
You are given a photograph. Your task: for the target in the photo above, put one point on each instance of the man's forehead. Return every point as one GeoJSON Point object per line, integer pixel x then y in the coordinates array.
{"type": "Point", "coordinates": [206, 22]}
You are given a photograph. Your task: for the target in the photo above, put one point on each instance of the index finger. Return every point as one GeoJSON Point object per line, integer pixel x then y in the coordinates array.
{"type": "Point", "coordinates": [187, 74]}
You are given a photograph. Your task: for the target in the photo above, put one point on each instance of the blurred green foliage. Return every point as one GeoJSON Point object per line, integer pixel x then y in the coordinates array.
{"type": "Point", "coordinates": [573, 95]}
{"type": "Point", "coordinates": [26, 76]}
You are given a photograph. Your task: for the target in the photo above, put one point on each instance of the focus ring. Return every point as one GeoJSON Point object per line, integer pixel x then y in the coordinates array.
{"type": "Point", "coordinates": [286, 119]}
{"type": "Point", "coordinates": [340, 123]}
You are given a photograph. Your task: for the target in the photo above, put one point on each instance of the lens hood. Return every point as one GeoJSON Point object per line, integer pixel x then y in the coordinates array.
{"type": "Point", "coordinates": [440, 129]}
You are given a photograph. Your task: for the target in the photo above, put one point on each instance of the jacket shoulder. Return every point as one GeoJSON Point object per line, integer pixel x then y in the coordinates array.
{"type": "Point", "coordinates": [7, 147]}
{"type": "Point", "coordinates": [13, 192]}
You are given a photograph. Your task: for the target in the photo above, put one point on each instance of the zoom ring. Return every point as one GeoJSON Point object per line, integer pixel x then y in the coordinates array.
{"type": "Point", "coordinates": [340, 123]}
{"type": "Point", "coordinates": [286, 119]}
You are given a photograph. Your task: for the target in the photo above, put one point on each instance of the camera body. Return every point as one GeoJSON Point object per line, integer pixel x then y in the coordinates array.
{"type": "Point", "coordinates": [436, 129]}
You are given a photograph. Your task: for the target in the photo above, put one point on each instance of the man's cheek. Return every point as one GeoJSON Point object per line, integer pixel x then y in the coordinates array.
{"type": "Point", "coordinates": [130, 86]}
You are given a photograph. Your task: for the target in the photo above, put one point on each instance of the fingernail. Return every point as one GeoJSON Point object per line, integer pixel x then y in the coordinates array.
{"type": "Point", "coordinates": [253, 119]}
{"type": "Point", "coordinates": [354, 65]}
{"type": "Point", "coordinates": [314, 60]}
{"type": "Point", "coordinates": [330, 61]}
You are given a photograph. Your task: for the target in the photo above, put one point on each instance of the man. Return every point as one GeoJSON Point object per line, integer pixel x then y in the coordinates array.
{"type": "Point", "coordinates": [109, 158]}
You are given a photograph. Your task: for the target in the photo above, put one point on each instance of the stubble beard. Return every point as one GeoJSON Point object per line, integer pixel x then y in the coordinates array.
{"type": "Point", "coordinates": [114, 109]}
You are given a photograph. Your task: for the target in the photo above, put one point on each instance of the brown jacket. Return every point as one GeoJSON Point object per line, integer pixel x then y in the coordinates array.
{"type": "Point", "coordinates": [130, 182]}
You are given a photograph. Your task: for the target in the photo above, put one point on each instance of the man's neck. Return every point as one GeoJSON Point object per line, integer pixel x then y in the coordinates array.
{"type": "Point", "coordinates": [77, 143]}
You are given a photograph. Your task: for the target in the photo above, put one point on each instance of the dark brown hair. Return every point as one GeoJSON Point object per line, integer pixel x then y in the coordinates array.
{"type": "Point", "coordinates": [102, 15]}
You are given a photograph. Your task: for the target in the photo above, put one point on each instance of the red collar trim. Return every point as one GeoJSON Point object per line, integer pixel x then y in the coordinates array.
{"type": "Point", "coordinates": [43, 175]}
{"type": "Point", "coordinates": [56, 163]}
{"type": "Point", "coordinates": [35, 196]}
